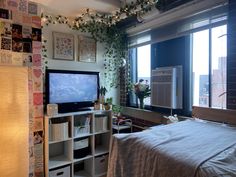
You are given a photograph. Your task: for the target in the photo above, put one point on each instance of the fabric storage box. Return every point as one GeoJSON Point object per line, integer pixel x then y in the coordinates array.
{"type": "Point", "coordinates": [61, 172]}
{"type": "Point", "coordinates": [81, 148]}
{"type": "Point", "coordinates": [80, 130]}
{"type": "Point", "coordinates": [101, 123]}
{"type": "Point", "coordinates": [59, 131]}
{"type": "Point", "coordinates": [81, 144]}
{"type": "Point", "coordinates": [101, 164]}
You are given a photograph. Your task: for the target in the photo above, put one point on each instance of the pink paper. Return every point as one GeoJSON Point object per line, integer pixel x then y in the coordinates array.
{"type": "Point", "coordinates": [38, 98]}
{"type": "Point", "coordinates": [37, 47]}
{"type": "Point", "coordinates": [36, 21]}
{"type": "Point", "coordinates": [37, 60]}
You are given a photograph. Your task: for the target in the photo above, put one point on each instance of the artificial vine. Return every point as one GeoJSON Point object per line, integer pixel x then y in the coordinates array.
{"type": "Point", "coordinates": [102, 28]}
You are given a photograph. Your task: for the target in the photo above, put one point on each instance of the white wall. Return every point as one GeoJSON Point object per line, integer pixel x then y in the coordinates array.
{"type": "Point", "coordinates": [76, 65]}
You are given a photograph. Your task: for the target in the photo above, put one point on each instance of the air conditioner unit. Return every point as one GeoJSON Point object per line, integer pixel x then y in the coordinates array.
{"type": "Point", "coordinates": [167, 87]}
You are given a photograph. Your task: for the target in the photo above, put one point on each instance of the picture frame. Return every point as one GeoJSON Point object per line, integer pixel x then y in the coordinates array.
{"type": "Point", "coordinates": [87, 48]}
{"type": "Point", "coordinates": [63, 46]}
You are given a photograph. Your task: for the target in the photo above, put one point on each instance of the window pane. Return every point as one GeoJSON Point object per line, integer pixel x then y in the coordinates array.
{"type": "Point", "coordinates": [218, 72]}
{"type": "Point", "coordinates": [200, 68]}
{"type": "Point", "coordinates": [144, 66]}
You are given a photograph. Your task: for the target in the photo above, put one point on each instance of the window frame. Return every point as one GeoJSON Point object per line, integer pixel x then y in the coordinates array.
{"type": "Point", "coordinates": [209, 28]}
{"type": "Point", "coordinates": [134, 75]}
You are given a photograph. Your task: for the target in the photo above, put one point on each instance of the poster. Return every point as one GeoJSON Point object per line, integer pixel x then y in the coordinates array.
{"type": "Point", "coordinates": [17, 45]}
{"type": "Point", "coordinates": [37, 60]}
{"type": "Point", "coordinates": [5, 29]}
{"type": "Point", "coordinates": [5, 57]}
{"type": "Point", "coordinates": [23, 6]}
{"type": "Point", "coordinates": [17, 17]}
{"type": "Point", "coordinates": [38, 164]}
{"type": "Point", "coordinates": [36, 34]}
{"type": "Point", "coordinates": [38, 124]}
{"type": "Point", "coordinates": [6, 43]}
{"type": "Point", "coordinates": [37, 80]}
{"type": "Point", "coordinates": [32, 8]}
{"type": "Point", "coordinates": [17, 59]}
{"type": "Point", "coordinates": [38, 111]}
{"type": "Point", "coordinates": [26, 20]}
{"type": "Point", "coordinates": [37, 47]}
{"type": "Point", "coordinates": [38, 99]}
{"type": "Point", "coordinates": [27, 59]}
{"type": "Point", "coordinates": [3, 3]}
{"type": "Point", "coordinates": [36, 21]}
{"type": "Point", "coordinates": [4, 13]}
{"type": "Point", "coordinates": [38, 137]}
{"type": "Point", "coordinates": [12, 5]}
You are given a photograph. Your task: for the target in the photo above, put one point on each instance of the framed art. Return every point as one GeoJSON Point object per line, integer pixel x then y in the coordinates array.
{"type": "Point", "coordinates": [63, 46]}
{"type": "Point", "coordinates": [87, 49]}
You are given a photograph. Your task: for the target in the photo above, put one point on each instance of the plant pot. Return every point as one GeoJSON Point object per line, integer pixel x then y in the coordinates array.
{"type": "Point", "coordinates": [107, 107]}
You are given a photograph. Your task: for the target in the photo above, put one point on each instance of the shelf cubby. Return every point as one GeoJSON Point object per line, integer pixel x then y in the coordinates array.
{"type": "Point", "coordinates": [83, 168]}
{"type": "Point", "coordinates": [60, 154]}
{"type": "Point", "coordinates": [102, 142]}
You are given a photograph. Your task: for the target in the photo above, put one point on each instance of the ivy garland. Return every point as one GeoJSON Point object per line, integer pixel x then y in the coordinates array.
{"type": "Point", "coordinates": [103, 29]}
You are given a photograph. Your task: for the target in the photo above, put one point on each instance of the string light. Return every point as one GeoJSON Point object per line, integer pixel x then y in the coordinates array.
{"type": "Point", "coordinates": [139, 7]}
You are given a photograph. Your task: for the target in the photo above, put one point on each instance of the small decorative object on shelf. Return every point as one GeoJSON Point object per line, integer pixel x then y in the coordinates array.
{"type": "Point", "coordinates": [107, 106]}
{"type": "Point", "coordinates": [142, 91]}
{"type": "Point", "coordinates": [102, 92]}
{"type": "Point", "coordinates": [97, 105]}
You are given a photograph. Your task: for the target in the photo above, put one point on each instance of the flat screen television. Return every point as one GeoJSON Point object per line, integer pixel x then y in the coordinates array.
{"type": "Point", "coordinates": [71, 90]}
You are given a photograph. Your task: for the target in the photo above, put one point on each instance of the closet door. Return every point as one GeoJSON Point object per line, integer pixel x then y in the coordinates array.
{"type": "Point", "coordinates": [14, 121]}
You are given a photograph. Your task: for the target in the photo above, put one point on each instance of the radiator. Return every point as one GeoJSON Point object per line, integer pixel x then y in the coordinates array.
{"type": "Point", "coordinates": [167, 87]}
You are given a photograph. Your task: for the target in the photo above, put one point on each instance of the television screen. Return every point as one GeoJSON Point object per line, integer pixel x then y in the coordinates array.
{"type": "Point", "coordinates": [71, 89]}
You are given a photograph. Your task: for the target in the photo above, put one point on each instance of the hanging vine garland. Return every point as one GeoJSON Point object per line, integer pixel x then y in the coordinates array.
{"type": "Point", "coordinates": [102, 28]}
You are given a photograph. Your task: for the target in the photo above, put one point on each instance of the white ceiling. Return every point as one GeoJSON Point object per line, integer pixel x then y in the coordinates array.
{"type": "Point", "coordinates": [72, 8]}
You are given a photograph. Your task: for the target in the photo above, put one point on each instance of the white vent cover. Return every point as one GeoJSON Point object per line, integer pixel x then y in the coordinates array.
{"type": "Point", "coordinates": [167, 87]}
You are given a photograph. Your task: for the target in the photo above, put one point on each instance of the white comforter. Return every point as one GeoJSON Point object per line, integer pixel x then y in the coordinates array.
{"type": "Point", "coordinates": [177, 150]}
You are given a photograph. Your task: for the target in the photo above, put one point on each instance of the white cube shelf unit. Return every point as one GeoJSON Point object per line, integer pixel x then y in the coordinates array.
{"type": "Point", "coordinates": [78, 140]}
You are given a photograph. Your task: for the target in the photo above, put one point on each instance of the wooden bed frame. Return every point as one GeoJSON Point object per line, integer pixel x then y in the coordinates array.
{"type": "Point", "coordinates": [212, 114]}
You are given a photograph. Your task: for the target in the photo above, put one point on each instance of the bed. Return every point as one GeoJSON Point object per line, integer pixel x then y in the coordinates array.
{"type": "Point", "coordinates": [191, 148]}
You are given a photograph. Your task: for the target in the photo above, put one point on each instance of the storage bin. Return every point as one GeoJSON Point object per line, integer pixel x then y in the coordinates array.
{"type": "Point", "coordinates": [81, 148]}
{"type": "Point", "coordinates": [81, 130]}
{"type": "Point", "coordinates": [59, 131]}
{"type": "Point", "coordinates": [61, 172]}
{"type": "Point", "coordinates": [101, 123]}
{"type": "Point", "coordinates": [81, 144]}
{"type": "Point", "coordinates": [101, 164]}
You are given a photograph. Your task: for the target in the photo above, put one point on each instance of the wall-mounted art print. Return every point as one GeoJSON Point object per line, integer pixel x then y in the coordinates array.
{"type": "Point", "coordinates": [87, 49]}
{"type": "Point", "coordinates": [63, 46]}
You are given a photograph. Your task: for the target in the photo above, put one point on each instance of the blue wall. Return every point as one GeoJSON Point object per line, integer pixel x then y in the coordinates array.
{"type": "Point", "coordinates": [171, 53]}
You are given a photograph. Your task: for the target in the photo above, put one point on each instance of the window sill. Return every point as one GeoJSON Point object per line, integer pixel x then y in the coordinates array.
{"type": "Point", "coordinates": [144, 114]}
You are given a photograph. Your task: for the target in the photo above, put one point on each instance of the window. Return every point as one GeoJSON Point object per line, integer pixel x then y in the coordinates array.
{"type": "Point", "coordinates": [209, 67]}
{"type": "Point", "coordinates": [140, 58]}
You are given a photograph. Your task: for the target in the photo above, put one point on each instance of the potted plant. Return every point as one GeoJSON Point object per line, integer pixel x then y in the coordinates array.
{"type": "Point", "coordinates": [108, 103]}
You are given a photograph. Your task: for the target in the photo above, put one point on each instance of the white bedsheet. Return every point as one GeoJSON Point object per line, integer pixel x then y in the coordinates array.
{"type": "Point", "coordinates": [176, 150]}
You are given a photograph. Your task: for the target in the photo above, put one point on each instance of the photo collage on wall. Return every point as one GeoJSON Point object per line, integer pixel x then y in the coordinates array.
{"type": "Point", "coordinates": [20, 45]}
{"type": "Point", "coordinates": [20, 28]}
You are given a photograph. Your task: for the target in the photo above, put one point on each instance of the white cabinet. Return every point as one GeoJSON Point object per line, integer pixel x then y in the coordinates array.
{"type": "Point", "coordinates": [78, 141]}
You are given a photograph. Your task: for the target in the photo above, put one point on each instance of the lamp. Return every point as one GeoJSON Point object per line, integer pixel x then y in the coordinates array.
{"type": "Point", "coordinates": [14, 122]}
